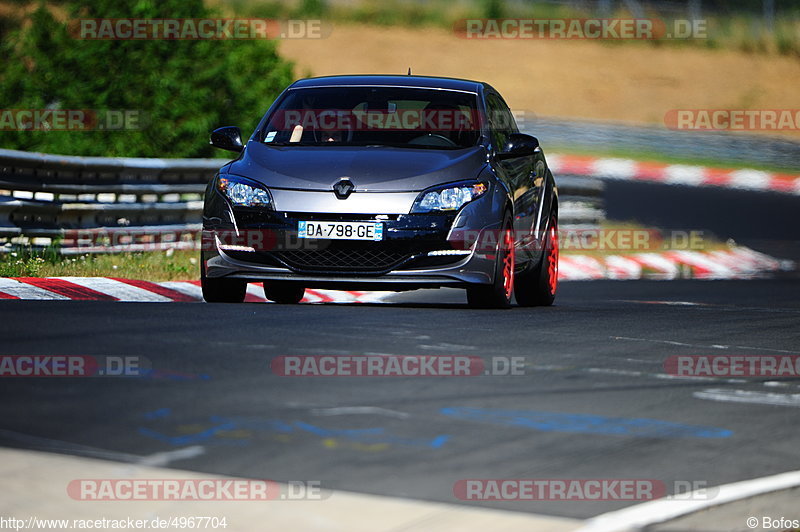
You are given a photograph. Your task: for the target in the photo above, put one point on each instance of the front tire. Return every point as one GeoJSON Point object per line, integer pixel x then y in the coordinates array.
{"type": "Point", "coordinates": [537, 286]}
{"type": "Point", "coordinates": [498, 294]}
{"type": "Point", "coordinates": [286, 293]}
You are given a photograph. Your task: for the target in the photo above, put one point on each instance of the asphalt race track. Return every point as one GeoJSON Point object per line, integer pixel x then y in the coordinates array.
{"type": "Point", "coordinates": [595, 400]}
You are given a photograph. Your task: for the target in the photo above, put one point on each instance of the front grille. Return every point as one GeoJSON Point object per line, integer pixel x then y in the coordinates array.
{"type": "Point", "coordinates": [351, 260]}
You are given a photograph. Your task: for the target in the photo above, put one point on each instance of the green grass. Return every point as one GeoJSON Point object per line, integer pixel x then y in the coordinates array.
{"type": "Point", "coordinates": [150, 266]}
{"type": "Point", "coordinates": [657, 157]}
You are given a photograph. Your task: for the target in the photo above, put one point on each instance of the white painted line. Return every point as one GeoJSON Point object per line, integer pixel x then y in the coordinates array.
{"type": "Point", "coordinates": [653, 512]}
{"type": "Point", "coordinates": [611, 371]}
{"type": "Point", "coordinates": [348, 410]}
{"type": "Point", "coordinates": [667, 376]}
{"type": "Point", "coordinates": [26, 291]}
{"type": "Point", "coordinates": [775, 384]}
{"type": "Point", "coordinates": [668, 303]}
{"type": "Point", "coordinates": [167, 457]}
{"type": "Point", "coordinates": [704, 346]}
{"type": "Point", "coordinates": [122, 291]}
{"type": "Point", "coordinates": [749, 397]}
{"type": "Point", "coordinates": [444, 346]}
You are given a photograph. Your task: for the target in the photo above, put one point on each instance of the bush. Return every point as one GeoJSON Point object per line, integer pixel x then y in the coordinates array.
{"type": "Point", "coordinates": [182, 88]}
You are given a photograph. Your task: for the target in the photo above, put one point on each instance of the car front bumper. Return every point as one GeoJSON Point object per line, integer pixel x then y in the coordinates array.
{"type": "Point", "coordinates": [417, 251]}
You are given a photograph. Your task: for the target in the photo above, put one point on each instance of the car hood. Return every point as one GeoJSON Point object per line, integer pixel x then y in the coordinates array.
{"type": "Point", "coordinates": [371, 169]}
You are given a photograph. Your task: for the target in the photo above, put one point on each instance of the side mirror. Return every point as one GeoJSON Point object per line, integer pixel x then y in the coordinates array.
{"type": "Point", "coordinates": [228, 138]}
{"type": "Point", "coordinates": [519, 145]}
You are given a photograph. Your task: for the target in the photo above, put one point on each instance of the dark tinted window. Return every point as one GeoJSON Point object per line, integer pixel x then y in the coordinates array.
{"type": "Point", "coordinates": [395, 116]}
{"type": "Point", "coordinates": [501, 121]}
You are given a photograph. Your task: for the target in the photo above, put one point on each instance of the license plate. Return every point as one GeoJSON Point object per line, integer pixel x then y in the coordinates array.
{"type": "Point", "coordinates": [341, 230]}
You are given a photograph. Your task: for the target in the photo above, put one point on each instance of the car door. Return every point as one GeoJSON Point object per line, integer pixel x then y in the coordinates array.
{"type": "Point", "coordinates": [523, 175]}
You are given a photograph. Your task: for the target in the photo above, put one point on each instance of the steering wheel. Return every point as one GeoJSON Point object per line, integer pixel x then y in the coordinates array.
{"type": "Point", "coordinates": [433, 139]}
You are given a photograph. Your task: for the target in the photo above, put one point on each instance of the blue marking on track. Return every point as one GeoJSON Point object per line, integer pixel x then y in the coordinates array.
{"type": "Point", "coordinates": [158, 414]}
{"type": "Point", "coordinates": [586, 423]}
{"type": "Point", "coordinates": [186, 439]}
{"type": "Point", "coordinates": [261, 426]}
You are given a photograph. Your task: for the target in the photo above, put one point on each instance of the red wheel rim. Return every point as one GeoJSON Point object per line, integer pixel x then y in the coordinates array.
{"type": "Point", "coordinates": [552, 260]}
{"type": "Point", "coordinates": [508, 263]}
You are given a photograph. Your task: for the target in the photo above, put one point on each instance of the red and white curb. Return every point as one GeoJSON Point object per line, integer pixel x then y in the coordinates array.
{"type": "Point", "coordinates": [113, 289]}
{"type": "Point", "coordinates": [673, 174]}
{"type": "Point", "coordinates": [735, 263]}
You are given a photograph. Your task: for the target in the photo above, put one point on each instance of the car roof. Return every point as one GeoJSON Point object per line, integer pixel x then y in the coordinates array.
{"type": "Point", "coordinates": [431, 82]}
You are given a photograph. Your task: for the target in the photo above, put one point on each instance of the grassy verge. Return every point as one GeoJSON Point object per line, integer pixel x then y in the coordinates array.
{"type": "Point", "coordinates": [657, 157]}
{"type": "Point", "coordinates": [151, 266]}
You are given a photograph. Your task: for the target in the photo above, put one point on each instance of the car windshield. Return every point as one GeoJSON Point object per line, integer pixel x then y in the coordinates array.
{"type": "Point", "coordinates": [386, 116]}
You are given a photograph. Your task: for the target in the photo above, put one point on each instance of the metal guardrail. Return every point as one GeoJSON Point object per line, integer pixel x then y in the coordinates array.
{"type": "Point", "coordinates": [580, 202]}
{"type": "Point", "coordinates": [102, 205]}
{"type": "Point", "coordinates": [94, 204]}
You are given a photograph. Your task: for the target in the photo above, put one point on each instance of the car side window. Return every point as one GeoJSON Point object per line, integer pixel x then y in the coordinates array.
{"type": "Point", "coordinates": [501, 121]}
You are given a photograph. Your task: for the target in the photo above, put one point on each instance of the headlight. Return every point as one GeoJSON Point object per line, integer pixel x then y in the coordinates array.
{"type": "Point", "coordinates": [448, 198]}
{"type": "Point", "coordinates": [243, 192]}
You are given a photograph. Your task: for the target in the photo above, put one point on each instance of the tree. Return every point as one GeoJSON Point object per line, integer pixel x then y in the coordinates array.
{"type": "Point", "coordinates": [180, 89]}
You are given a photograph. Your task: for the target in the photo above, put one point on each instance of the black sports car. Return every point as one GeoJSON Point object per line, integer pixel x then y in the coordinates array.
{"type": "Point", "coordinates": [383, 182]}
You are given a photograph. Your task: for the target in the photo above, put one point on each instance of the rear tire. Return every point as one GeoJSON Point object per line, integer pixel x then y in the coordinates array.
{"type": "Point", "coordinates": [498, 294]}
{"type": "Point", "coordinates": [286, 293]}
{"type": "Point", "coordinates": [537, 286]}
{"type": "Point", "coordinates": [223, 290]}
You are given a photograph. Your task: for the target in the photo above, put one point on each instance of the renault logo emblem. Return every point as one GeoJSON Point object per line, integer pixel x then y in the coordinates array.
{"type": "Point", "coordinates": [343, 188]}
